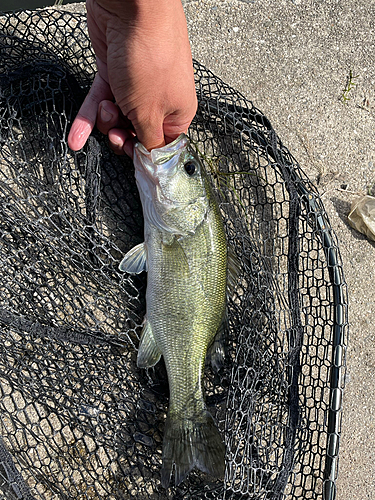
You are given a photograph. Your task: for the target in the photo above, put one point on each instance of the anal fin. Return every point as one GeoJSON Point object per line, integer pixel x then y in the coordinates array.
{"type": "Point", "coordinates": [148, 352]}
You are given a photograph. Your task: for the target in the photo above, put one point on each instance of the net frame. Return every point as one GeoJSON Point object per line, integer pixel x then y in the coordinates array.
{"type": "Point", "coordinates": [45, 62]}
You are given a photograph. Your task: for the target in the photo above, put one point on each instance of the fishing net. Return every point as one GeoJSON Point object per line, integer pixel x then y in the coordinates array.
{"type": "Point", "coordinates": [78, 419]}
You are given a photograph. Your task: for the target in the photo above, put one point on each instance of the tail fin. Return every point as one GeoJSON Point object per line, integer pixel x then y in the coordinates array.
{"type": "Point", "coordinates": [190, 443]}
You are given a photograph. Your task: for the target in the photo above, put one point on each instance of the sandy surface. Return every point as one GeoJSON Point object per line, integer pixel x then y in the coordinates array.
{"type": "Point", "coordinates": [292, 59]}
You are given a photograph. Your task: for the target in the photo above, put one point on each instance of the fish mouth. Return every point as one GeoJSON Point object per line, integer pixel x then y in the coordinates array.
{"type": "Point", "coordinates": [159, 159]}
{"type": "Point", "coordinates": [149, 167]}
{"type": "Point", "coordinates": [165, 153]}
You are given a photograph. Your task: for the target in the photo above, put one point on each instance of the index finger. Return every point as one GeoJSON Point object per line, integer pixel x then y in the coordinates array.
{"type": "Point", "coordinates": [86, 118]}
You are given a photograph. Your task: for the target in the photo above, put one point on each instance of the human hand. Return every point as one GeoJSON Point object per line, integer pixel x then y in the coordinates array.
{"type": "Point", "coordinates": [144, 64]}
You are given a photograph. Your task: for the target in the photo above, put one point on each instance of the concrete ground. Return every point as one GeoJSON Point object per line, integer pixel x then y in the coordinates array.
{"type": "Point", "coordinates": [292, 58]}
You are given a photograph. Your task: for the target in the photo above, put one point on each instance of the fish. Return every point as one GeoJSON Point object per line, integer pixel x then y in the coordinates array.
{"type": "Point", "coordinates": [187, 261]}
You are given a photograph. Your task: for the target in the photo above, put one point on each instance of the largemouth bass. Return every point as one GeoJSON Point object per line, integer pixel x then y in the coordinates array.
{"type": "Point", "coordinates": [185, 255]}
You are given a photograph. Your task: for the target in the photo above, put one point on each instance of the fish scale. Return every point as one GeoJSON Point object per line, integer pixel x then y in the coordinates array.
{"type": "Point", "coordinates": [183, 322]}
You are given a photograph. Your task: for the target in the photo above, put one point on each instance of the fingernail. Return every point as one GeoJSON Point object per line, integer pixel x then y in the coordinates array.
{"type": "Point", "coordinates": [116, 144]}
{"type": "Point", "coordinates": [128, 148]}
{"type": "Point", "coordinates": [105, 115]}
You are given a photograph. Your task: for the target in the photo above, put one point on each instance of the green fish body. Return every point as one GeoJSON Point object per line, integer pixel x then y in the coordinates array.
{"type": "Point", "coordinates": [185, 255]}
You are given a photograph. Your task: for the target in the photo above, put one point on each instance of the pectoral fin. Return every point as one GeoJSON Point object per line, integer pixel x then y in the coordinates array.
{"type": "Point", "coordinates": [148, 352]}
{"type": "Point", "coordinates": [135, 261]}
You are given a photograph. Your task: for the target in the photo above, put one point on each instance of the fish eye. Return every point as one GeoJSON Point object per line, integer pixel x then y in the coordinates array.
{"type": "Point", "coordinates": [189, 168]}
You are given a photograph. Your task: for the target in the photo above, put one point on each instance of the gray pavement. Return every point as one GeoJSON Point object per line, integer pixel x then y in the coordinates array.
{"type": "Point", "coordinates": [292, 59]}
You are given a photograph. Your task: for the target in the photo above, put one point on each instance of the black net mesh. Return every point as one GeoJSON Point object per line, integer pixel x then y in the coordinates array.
{"type": "Point", "coordinates": [78, 419]}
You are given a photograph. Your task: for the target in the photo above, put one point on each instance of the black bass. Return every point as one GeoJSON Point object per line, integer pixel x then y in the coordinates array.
{"type": "Point", "coordinates": [185, 255]}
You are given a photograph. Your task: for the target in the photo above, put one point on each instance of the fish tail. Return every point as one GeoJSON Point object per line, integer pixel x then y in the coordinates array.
{"type": "Point", "coordinates": [190, 443]}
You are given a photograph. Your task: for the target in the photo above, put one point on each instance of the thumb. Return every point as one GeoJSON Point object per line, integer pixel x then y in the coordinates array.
{"type": "Point", "coordinates": [149, 130]}
{"type": "Point", "coordinates": [176, 124]}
